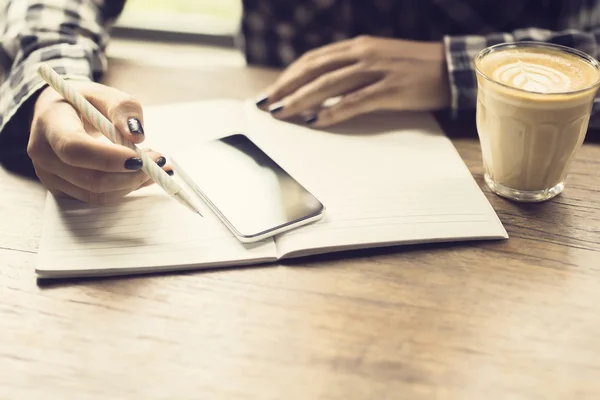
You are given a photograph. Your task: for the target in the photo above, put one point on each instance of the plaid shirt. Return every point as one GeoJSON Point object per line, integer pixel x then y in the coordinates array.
{"type": "Point", "coordinates": [71, 36]}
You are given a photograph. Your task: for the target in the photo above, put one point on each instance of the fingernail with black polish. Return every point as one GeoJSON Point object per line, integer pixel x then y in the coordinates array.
{"type": "Point", "coordinates": [161, 161]}
{"type": "Point", "coordinates": [261, 101]}
{"type": "Point", "coordinates": [311, 119]}
{"type": "Point", "coordinates": [275, 108]}
{"type": "Point", "coordinates": [134, 163]}
{"type": "Point", "coordinates": [170, 172]}
{"type": "Point", "coordinates": [135, 126]}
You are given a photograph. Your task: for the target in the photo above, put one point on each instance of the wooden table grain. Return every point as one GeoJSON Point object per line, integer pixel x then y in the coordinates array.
{"type": "Point", "coordinates": [515, 319]}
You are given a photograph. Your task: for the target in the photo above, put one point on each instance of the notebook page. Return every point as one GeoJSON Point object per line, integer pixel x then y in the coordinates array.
{"type": "Point", "coordinates": [147, 231]}
{"type": "Point", "coordinates": [173, 128]}
{"type": "Point", "coordinates": [384, 179]}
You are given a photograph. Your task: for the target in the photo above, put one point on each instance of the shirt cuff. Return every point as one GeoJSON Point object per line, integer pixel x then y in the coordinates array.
{"type": "Point", "coordinates": [460, 52]}
{"type": "Point", "coordinates": [69, 61]}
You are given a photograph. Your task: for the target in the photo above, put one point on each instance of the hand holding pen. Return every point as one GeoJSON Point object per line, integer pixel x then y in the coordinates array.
{"type": "Point", "coordinates": [69, 160]}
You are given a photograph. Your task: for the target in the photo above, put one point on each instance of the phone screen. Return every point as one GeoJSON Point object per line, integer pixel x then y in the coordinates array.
{"type": "Point", "coordinates": [249, 189]}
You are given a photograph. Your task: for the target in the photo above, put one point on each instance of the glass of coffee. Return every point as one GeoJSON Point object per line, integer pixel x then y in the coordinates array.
{"type": "Point", "coordinates": [533, 108]}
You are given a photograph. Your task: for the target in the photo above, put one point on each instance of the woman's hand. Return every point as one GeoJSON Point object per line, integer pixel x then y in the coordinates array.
{"type": "Point", "coordinates": [68, 155]}
{"type": "Point", "coordinates": [366, 74]}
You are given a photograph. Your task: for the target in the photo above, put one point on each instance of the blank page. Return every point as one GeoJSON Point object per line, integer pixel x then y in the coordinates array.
{"type": "Point", "coordinates": [148, 230]}
{"type": "Point", "coordinates": [384, 179]}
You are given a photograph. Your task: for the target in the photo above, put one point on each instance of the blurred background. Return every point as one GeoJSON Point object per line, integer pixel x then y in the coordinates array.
{"type": "Point", "coordinates": [205, 17]}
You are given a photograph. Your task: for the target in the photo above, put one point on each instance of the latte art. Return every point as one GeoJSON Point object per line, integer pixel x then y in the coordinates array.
{"type": "Point", "coordinates": [538, 71]}
{"type": "Point", "coordinates": [532, 77]}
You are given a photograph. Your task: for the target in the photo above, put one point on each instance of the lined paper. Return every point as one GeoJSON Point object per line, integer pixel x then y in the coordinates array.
{"type": "Point", "coordinates": [148, 231]}
{"type": "Point", "coordinates": [384, 180]}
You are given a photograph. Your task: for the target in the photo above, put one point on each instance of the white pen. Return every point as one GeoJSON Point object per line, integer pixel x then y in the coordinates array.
{"type": "Point", "coordinates": [100, 122]}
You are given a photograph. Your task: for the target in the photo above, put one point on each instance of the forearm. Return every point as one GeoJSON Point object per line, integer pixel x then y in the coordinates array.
{"type": "Point", "coordinates": [70, 36]}
{"type": "Point", "coordinates": [461, 50]}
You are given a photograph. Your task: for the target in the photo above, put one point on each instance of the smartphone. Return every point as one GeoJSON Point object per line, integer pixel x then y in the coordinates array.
{"type": "Point", "coordinates": [246, 189]}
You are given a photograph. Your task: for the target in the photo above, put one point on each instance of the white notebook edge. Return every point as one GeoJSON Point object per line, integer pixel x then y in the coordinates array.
{"type": "Point", "coordinates": [399, 245]}
{"type": "Point", "coordinates": [110, 272]}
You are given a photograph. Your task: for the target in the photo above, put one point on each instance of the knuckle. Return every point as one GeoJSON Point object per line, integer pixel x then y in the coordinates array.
{"type": "Point", "coordinates": [324, 81]}
{"type": "Point", "coordinates": [386, 88]}
{"type": "Point", "coordinates": [67, 149]}
{"type": "Point", "coordinates": [362, 40]}
{"type": "Point", "coordinates": [324, 116]}
{"type": "Point", "coordinates": [34, 150]}
{"type": "Point", "coordinates": [292, 105]}
{"type": "Point", "coordinates": [306, 57]}
{"type": "Point", "coordinates": [370, 64]}
{"type": "Point", "coordinates": [316, 63]}
{"type": "Point", "coordinates": [363, 44]}
{"type": "Point", "coordinates": [126, 104]}
{"type": "Point", "coordinates": [328, 118]}
{"type": "Point", "coordinates": [40, 118]}
{"type": "Point", "coordinates": [352, 99]}
{"type": "Point", "coordinates": [130, 103]}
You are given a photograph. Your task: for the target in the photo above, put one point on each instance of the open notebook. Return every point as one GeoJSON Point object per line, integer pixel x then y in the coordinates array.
{"type": "Point", "coordinates": [384, 179]}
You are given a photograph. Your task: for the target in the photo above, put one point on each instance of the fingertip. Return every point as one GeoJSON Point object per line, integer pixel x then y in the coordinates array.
{"type": "Point", "coordinates": [131, 129]}
{"type": "Point", "coordinates": [311, 119]}
{"type": "Point", "coordinates": [127, 115]}
{"type": "Point", "coordinates": [133, 164]}
{"type": "Point", "coordinates": [262, 101]}
{"type": "Point", "coordinates": [135, 127]}
{"type": "Point", "coordinates": [158, 158]}
{"type": "Point", "coordinates": [280, 110]}
{"type": "Point", "coordinates": [161, 161]}
{"type": "Point", "coordinates": [276, 108]}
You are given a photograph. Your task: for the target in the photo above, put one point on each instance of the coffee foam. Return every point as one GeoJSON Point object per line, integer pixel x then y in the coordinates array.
{"type": "Point", "coordinates": [539, 70]}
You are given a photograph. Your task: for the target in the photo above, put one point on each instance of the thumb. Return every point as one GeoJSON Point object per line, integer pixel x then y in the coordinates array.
{"type": "Point", "coordinates": [124, 111]}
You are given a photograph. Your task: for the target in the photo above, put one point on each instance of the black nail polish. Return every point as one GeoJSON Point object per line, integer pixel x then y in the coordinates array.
{"type": "Point", "coordinates": [170, 172]}
{"type": "Point", "coordinates": [134, 163]}
{"type": "Point", "coordinates": [135, 126]}
{"type": "Point", "coordinates": [262, 101]}
{"type": "Point", "coordinates": [161, 161]}
{"type": "Point", "coordinates": [311, 119]}
{"type": "Point", "coordinates": [276, 109]}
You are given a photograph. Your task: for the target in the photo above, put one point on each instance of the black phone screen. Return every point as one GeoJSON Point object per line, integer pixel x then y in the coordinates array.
{"type": "Point", "coordinates": [247, 187]}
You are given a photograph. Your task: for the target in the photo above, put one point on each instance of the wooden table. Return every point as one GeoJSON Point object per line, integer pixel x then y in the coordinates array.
{"type": "Point", "coordinates": [516, 319]}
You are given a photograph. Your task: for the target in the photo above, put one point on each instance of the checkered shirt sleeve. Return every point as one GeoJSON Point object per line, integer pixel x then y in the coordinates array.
{"type": "Point", "coordinates": [69, 35]}
{"type": "Point", "coordinates": [461, 50]}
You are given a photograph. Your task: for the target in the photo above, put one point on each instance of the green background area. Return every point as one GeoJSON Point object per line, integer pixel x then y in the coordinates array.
{"type": "Point", "coordinates": [219, 8]}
